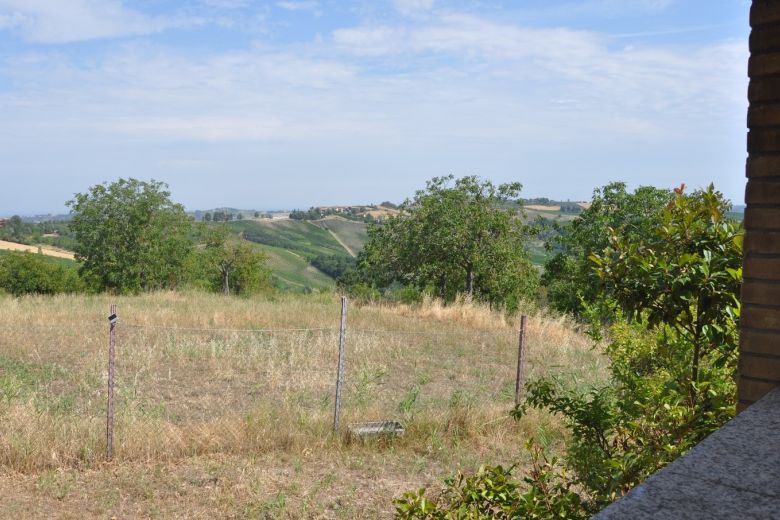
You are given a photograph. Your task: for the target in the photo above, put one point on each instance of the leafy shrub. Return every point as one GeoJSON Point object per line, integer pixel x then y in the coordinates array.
{"type": "Point", "coordinates": [30, 273]}
{"type": "Point", "coordinates": [568, 274]}
{"type": "Point", "coordinates": [407, 294]}
{"type": "Point", "coordinates": [492, 492]}
{"type": "Point", "coordinates": [333, 265]}
{"type": "Point", "coordinates": [361, 292]}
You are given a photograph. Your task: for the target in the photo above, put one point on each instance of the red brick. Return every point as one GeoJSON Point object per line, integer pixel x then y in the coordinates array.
{"type": "Point", "coordinates": [751, 390]}
{"type": "Point", "coordinates": [763, 166]}
{"type": "Point", "coordinates": [758, 367]}
{"type": "Point", "coordinates": [764, 39]}
{"type": "Point", "coordinates": [759, 342]}
{"type": "Point", "coordinates": [764, 89]}
{"type": "Point", "coordinates": [761, 268]}
{"type": "Point", "coordinates": [761, 293]}
{"type": "Point", "coordinates": [763, 115]}
{"type": "Point", "coordinates": [763, 140]}
{"type": "Point", "coordinates": [764, 12]}
{"type": "Point", "coordinates": [764, 243]}
{"type": "Point", "coordinates": [760, 318]}
{"type": "Point", "coordinates": [767, 219]}
{"type": "Point", "coordinates": [763, 64]}
{"type": "Point", "coordinates": [758, 192]}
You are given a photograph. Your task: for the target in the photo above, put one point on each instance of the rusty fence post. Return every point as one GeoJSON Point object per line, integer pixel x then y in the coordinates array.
{"type": "Point", "coordinates": [340, 369]}
{"type": "Point", "coordinates": [520, 377]}
{"type": "Point", "coordinates": [112, 319]}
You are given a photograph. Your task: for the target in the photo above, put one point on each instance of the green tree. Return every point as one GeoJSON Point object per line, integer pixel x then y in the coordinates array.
{"type": "Point", "coordinates": [568, 274]}
{"type": "Point", "coordinates": [673, 363]}
{"type": "Point", "coordinates": [686, 275]}
{"type": "Point", "coordinates": [231, 266]}
{"type": "Point", "coordinates": [131, 236]}
{"type": "Point", "coordinates": [454, 237]}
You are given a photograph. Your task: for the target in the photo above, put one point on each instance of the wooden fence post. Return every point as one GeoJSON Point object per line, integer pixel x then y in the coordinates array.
{"type": "Point", "coordinates": [112, 319]}
{"type": "Point", "coordinates": [340, 370]}
{"type": "Point", "coordinates": [520, 377]}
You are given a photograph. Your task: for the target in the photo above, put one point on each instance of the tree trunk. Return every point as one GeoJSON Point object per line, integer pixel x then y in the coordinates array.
{"type": "Point", "coordinates": [226, 280]}
{"type": "Point", "coordinates": [470, 281]}
{"type": "Point", "coordinates": [442, 286]}
{"type": "Point", "coordinates": [700, 304]}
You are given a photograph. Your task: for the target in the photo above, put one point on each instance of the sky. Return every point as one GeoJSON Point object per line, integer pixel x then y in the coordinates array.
{"type": "Point", "coordinates": [290, 104]}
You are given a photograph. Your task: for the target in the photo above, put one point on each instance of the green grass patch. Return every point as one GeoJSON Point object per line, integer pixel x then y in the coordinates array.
{"type": "Point", "coordinates": [19, 379]}
{"type": "Point", "coordinates": [304, 238]}
{"type": "Point", "coordinates": [353, 234]}
{"type": "Point", "coordinates": [291, 272]}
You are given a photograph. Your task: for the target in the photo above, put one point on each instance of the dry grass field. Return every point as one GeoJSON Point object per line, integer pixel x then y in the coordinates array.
{"type": "Point", "coordinates": [224, 406]}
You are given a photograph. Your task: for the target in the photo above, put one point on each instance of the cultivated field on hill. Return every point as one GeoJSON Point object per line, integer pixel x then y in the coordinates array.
{"type": "Point", "coordinates": [224, 406]}
{"type": "Point", "coordinates": [292, 244]}
{"type": "Point", "coordinates": [46, 250]}
{"type": "Point", "coordinates": [349, 233]}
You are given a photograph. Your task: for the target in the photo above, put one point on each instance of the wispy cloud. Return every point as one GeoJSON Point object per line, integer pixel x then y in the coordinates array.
{"type": "Point", "coordinates": [46, 21]}
{"type": "Point", "coordinates": [412, 7]}
{"type": "Point", "coordinates": [227, 4]}
{"type": "Point", "coordinates": [300, 5]}
{"type": "Point", "coordinates": [475, 73]}
{"type": "Point", "coordinates": [410, 96]}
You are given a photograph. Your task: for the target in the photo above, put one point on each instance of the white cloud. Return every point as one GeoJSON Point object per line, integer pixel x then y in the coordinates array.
{"type": "Point", "coordinates": [227, 4]}
{"type": "Point", "coordinates": [412, 7]}
{"type": "Point", "coordinates": [446, 93]}
{"type": "Point", "coordinates": [300, 5]}
{"type": "Point", "coordinates": [54, 21]}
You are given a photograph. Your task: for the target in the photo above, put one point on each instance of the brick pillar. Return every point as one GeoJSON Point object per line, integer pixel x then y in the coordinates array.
{"type": "Point", "coordinates": [759, 360]}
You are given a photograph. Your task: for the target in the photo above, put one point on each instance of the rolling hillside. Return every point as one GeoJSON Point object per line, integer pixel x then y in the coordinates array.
{"type": "Point", "coordinates": [350, 234]}
{"type": "Point", "coordinates": [291, 245]}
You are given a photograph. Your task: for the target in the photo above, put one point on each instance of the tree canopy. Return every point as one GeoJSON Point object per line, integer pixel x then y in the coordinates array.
{"type": "Point", "coordinates": [230, 266]}
{"type": "Point", "coordinates": [131, 236]}
{"type": "Point", "coordinates": [457, 236]}
{"type": "Point", "coordinates": [568, 274]}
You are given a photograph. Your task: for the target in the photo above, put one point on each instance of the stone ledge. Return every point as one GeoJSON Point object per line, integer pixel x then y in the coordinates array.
{"type": "Point", "coordinates": [733, 473]}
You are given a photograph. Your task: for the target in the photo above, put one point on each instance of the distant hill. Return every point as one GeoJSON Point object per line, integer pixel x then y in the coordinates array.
{"type": "Point", "coordinates": [293, 246]}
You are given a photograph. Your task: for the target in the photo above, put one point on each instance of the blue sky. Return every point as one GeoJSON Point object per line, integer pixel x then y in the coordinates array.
{"type": "Point", "coordinates": [282, 104]}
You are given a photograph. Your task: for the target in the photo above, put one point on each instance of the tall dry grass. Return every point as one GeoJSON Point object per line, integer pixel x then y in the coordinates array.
{"type": "Point", "coordinates": [192, 378]}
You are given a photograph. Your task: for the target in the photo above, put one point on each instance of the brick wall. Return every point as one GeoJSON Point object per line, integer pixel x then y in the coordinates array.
{"type": "Point", "coordinates": [759, 363]}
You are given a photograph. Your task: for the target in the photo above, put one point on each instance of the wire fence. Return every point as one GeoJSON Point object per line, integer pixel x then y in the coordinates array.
{"type": "Point", "coordinates": [208, 383]}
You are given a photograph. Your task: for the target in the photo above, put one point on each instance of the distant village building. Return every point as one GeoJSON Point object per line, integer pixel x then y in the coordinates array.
{"type": "Point", "coordinates": [3, 222]}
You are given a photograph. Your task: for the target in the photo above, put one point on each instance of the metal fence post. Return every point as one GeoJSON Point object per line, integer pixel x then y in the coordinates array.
{"type": "Point", "coordinates": [112, 319]}
{"type": "Point", "coordinates": [520, 377]}
{"type": "Point", "coordinates": [340, 370]}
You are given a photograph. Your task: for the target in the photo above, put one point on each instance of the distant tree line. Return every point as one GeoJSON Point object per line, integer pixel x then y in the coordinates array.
{"type": "Point", "coordinates": [334, 266]}
{"type": "Point", "coordinates": [55, 233]}
{"type": "Point", "coordinates": [355, 213]}
{"type": "Point", "coordinates": [223, 216]}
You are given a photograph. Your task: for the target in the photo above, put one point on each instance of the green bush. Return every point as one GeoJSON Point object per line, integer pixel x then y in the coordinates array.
{"type": "Point", "coordinates": [406, 294]}
{"type": "Point", "coordinates": [31, 273]}
{"type": "Point", "coordinates": [493, 492]}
